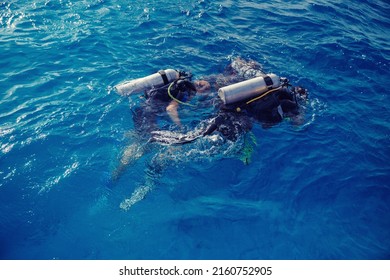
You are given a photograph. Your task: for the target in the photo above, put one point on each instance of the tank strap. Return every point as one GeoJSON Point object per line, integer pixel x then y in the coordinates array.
{"type": "Point", "coordinates": [164, 76]}
{"type": "Point", "coordinates": [268, 81]}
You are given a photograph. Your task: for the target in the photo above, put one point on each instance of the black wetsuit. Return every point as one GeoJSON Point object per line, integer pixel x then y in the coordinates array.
{"type": "Point", "coordinates": [271, 109]}
{"type": "Point", "coordinates": [230, 124]}
{"type": "Point", "coordinates": [157, 99]}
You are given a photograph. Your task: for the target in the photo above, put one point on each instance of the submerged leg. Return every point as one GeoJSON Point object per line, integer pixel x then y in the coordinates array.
{"type": "Point", "coordinates": [152, 174]}
{"type": "Point", "coordinates": [130, 155]}
{"type": "Point", "coordinates": [144, 121]}
{"type": "Point", "coordinates": [138, 194]}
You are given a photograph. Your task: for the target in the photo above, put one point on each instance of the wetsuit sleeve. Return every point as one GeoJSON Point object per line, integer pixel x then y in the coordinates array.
{"type": "Point", "coordinates": [213, 126]}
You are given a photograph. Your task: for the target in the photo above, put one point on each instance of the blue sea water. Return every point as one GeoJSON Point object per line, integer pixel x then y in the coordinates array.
{"type": "Point", "coordinates": [319, 190]}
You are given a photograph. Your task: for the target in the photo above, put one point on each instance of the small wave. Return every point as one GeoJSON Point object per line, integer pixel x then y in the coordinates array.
{"type": "Point", "coordinates": [314, 109]}
{"type": "Point", "coordinates": [55, 180]}
{"type": "Point", "coordinates": [9, 17]}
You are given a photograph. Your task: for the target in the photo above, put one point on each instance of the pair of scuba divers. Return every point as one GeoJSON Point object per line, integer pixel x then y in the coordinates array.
{"type": "Point", "coordinates": [245, 94]}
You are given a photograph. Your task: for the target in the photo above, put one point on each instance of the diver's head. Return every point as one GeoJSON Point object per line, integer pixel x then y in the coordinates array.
{"type": "Point", "coordinates": [184, 85]}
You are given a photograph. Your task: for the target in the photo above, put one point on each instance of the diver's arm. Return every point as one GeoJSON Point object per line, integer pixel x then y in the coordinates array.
{"type": "Point", "coordinates": [172, 112]}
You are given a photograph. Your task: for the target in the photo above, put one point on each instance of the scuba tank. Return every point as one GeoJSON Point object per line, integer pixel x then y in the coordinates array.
{"type": "Point", "coordinates": [158, 79]}
{"type": "Point", "coordinates": [248, 89]}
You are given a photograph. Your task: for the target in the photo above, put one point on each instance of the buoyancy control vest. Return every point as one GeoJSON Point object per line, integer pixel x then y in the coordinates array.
{"type": "Point", "coordinates": [179, 90]}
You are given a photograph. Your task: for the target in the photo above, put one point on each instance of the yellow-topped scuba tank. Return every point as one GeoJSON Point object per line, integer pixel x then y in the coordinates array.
{"type": "Point", "coordinates": [158, 79]}
{"type": "Point", "coordinates": [248, 89]}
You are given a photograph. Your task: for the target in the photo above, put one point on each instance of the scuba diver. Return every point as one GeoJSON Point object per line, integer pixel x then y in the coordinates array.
{"type": "Point", "coordinates": [163, 92]}
{"type": "Point", "coordinates": [166, 97]}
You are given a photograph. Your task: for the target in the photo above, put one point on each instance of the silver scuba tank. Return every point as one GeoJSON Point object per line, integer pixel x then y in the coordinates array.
{"type": "Point", "coordinates": [158, 79]}
{"type": "Point", "coordinates": [248, 89]}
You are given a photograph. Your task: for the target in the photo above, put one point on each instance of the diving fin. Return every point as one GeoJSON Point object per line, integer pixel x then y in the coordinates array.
{"type": "Point", "coordinates": [173, 138]}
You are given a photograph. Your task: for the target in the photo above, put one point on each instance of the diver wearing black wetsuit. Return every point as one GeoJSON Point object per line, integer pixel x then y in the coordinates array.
{"type": "Point", "coordinates": [234, 119]}
{"type": "Point", "coordinates": [274, 107]}
{"type": "Point", "coordinates": [159, 100]}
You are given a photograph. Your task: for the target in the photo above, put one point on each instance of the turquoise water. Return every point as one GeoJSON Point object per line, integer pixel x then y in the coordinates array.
{"type": "Point", "coordinates": [319, 190]}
